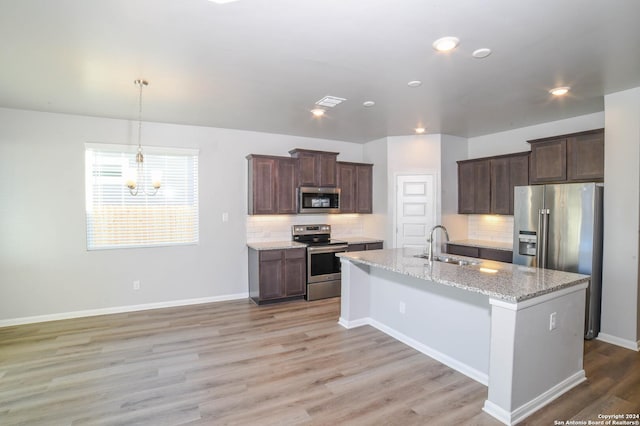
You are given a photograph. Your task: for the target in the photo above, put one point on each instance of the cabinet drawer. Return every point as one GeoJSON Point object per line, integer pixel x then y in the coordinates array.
{"type": "Point", "coordinates": [374, 246]}
{"type": "Point", "coordinates": [266, 255]}
{"type": "Point", "coordinates": [463, 250]}
{"type": "Point", "coordinates": [298, 253]}
{"type": "Point", "coordinates": [497, 255]}
{"type": "Point", "coordinates": [357, 247]}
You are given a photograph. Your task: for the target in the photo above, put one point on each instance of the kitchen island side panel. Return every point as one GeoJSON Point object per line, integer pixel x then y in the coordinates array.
{"type": "Point", "coordinates": [453, 322]}
{"type": "Point", "coordinates": [448, 324]}
{"type": "Point", "coordinates": [544, 337]}
{"type": "Point", "coordinates": [355, 295]}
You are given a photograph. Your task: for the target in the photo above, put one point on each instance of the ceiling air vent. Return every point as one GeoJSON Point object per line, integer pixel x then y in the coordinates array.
{"type": "Point", "coordinates": [330, 101]}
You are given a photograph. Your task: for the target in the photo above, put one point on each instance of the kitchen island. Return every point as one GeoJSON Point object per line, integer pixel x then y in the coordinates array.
{"type": "Point", "coordinates": [516, 329]}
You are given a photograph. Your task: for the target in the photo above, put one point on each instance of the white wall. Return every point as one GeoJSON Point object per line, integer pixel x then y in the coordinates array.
{"type": "Point", "coordinates": [411, 155]}
{"type": "Point", "coordinates": [375, 225]}
{"type": "Point", "coordinates": [453, 149]}
{"type": "Point", "coordinates": [515, 140]}
{"type": "Point", "coordinates": [621, 294]}
{"type": "Point", "coordinates": [45, 268]}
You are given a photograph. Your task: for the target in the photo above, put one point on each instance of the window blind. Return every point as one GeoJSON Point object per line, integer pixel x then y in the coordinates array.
{"type": "Point", "coordinates": [117, 219]}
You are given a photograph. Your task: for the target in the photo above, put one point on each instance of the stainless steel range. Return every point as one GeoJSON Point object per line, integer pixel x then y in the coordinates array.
{"type": "Point", "coordinates": [323, 266]}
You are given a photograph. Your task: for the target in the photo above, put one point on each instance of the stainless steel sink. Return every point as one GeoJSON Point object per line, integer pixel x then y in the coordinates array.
{"type": "Point", "coordinates": [448, 259]}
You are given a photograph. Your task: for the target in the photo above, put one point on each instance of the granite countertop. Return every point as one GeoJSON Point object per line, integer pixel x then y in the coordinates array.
{"type": "Point", "coordinates": [276, 245]}
{"type": "Point", "coordinates": [511, 283]}
{"type": "Point", "coordinates": [359, 240]}
{"type": "Point", "coordinates": [498, 245]}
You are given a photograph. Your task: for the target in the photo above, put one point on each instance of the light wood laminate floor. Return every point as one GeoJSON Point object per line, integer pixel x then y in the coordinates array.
{"type": "Point", "coordinates": [239, 364]}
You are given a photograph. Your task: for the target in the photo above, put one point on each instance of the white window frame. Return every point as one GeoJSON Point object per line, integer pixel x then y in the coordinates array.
{"type": "Point", "coordinates": [169, 218]}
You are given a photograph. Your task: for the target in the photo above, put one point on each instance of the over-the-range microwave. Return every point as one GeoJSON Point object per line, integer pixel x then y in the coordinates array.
{"type": "Point", "coordinates": [318, 200]}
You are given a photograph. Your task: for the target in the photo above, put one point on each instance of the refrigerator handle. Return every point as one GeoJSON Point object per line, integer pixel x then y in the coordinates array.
{"type": "Point", "coordinates": [544, 250]}
{"type": "Point", "coordinates": [539, 241]}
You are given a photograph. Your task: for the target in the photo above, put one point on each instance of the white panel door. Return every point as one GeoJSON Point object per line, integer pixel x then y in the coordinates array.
{"type": "Point", "coordinates": [415, 209]}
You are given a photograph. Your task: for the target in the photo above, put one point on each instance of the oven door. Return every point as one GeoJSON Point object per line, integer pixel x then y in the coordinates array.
{"type": "Point", "coordinates": [323, 264]}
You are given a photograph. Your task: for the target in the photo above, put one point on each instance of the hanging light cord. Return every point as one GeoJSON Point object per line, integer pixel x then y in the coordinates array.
{"type": "Point", "coordinates": [134, 187]}
{"type": "Point", "coordinates": [140, 84]}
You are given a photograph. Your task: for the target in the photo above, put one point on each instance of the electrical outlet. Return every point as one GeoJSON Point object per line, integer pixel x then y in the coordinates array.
{"type": "Point", "coordinates": [552, 321]}
{"type": "Point", "coordinates": [225, 217]}
{"type": "Point", "coordinates": [136, 285]}
{"type": "Point", "coordinates": [402, 307]}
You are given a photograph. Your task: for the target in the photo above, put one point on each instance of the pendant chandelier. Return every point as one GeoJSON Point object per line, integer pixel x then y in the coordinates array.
{"type": "Point", "coordinates": [138, 184]}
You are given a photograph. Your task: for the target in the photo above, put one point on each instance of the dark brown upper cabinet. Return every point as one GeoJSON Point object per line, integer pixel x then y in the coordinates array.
{"type": "Point", "coordinates": [355, 181]}
{"type": "Point", "coordinates": [507, 172]}
{"type": "Point", "coordinates": [585, 157]}
{"type": "Point", "coordinates": [474, 186]}
{"type": "Point", "coordinates": [576, 157]}
{"type": "Point", "coordinates": [272, 184]}
{"type": "Point", "coordinates": [315, 168]}
{"type": "Point", "coordinates": [485, 185]}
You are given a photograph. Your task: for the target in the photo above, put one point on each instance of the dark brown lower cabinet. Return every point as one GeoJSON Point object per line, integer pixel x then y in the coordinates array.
{"type": "Point", "coordinates": [365, 246]}
{"type": "Point", "coordinates": [276, 275]}
{"type": "Point", "coordinates": [481, 252]}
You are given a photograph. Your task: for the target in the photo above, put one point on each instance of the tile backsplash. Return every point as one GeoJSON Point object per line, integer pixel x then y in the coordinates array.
{"type": "Point", "coordinates": [278, 227]}
{"type": "Point", "coordinates": [490, 228]}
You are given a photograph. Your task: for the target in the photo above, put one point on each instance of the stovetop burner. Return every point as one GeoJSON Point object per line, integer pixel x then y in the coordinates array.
{"type": "Point", "coordinates": [314, 235]}
{"type": "Point", "coordinates": [329, 242]}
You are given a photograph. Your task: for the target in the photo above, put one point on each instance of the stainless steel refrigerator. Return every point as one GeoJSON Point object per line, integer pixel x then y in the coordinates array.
{"type": "Point", "coordinates": [560, 227]}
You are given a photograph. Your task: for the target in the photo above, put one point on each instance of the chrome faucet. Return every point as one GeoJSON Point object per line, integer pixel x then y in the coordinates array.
{"type": "Point", "coordinates": [430, 240]}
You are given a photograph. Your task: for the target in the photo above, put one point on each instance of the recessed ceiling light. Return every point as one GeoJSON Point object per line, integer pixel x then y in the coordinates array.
{"type": "Point", "coordinates": [481, 53]}
{"type": "Point", "coordinates": [317, 112]}
{"type": "Point", "coordinates": [420, 130]}
{"type": "Point", "coordinates": [414, 83]}
{"type": "Point", "coordinates": [559, 91]}
{"type": "Point", "coordinates": [368, 104]}
{"type": "Point", "coordinates": [446, 44]}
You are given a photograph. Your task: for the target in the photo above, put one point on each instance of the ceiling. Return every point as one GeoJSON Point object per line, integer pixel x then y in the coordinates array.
{"type": "Point", "coordinates": [262, 64]}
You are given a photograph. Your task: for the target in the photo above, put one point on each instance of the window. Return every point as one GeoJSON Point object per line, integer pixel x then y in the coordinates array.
{"type": "Point", "coordinates": [117, 219]}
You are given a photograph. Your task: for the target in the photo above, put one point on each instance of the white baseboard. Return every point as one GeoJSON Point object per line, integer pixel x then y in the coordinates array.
{"type": "Point", "coordinates": [120, 309]}
{"type": "Point", "coordinates": [353, 324]}
{"type": "Point", "coordinates": [525, 410]}
{"type": "Point", "coordinates": [465, 369]}
{"type": "Point", "coordinates": [614, 340]}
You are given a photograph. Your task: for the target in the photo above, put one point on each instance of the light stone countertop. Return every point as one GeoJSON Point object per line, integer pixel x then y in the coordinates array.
{"type": "Point", "coordinates": [276, 245]}
{"type": "Point", "coordinates": [359, 240]}
{"type": "Point", "coordinates": [485, 244]}
{"type": "Point", "coordinates": [511, 283]}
